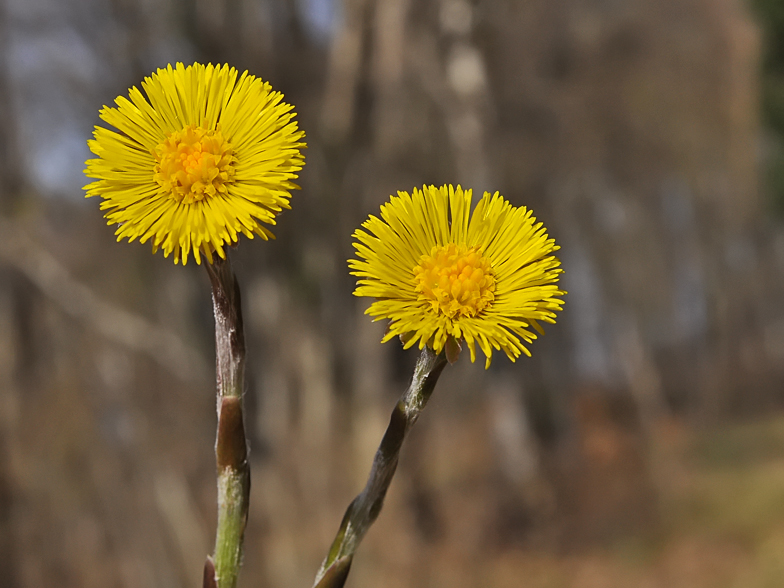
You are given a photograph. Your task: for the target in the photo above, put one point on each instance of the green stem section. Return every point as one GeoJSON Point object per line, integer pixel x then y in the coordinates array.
{"type": "Point", "coordinates": [231, 449]}
{"type": "Point", "coordinates": [364, 509]}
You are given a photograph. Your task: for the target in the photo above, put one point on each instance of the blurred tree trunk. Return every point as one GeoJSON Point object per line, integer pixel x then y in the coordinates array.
{"type": "Point", "coordinates": [11, 338]}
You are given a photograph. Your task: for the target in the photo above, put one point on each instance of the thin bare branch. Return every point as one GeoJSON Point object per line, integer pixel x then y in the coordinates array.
{"type": "Point", "coordinates": [54, 280]}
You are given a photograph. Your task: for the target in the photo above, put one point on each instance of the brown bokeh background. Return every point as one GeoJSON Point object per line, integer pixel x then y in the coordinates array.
{"type": "Point", "coordinates": [641, 445]}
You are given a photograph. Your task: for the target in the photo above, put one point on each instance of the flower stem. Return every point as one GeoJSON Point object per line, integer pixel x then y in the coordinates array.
{"type": "Point", "coordinates": [231, 449]}
{"type": "Point", "coordinates": [364, 509]}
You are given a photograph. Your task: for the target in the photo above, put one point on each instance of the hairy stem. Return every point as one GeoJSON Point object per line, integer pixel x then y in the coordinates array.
{"type": "Point", "coordinates": [364, 509]}
{"type": "Point", "coordinates": [231, 449]}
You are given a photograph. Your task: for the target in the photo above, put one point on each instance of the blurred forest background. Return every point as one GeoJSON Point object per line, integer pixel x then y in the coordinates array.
{"type": "Point", "coordinates": [642, 445]}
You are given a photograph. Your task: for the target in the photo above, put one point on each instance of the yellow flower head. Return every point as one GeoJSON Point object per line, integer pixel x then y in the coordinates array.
{"type": "Point", "coordinates": [205, 156]}
{"type": "Point", "coordinates": [440, 272]}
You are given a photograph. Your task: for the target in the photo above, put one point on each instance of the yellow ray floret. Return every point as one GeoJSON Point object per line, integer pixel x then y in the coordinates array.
{"type": "Point", "coordinates": [206, 155]}
{"type": "Point", "coordinates": [437, 271]}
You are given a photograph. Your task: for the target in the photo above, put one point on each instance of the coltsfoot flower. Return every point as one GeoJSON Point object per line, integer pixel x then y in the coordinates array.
{"type": "Point", "coordinates": [441, 274]}
{"type": "Point", "coordinates": [206, 155]}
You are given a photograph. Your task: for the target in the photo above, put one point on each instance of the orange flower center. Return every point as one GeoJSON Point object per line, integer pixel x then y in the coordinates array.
{"type": "Point", "coordinates": [456, 280]}
{"type": "Point", "coordinates": [194, 163]}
